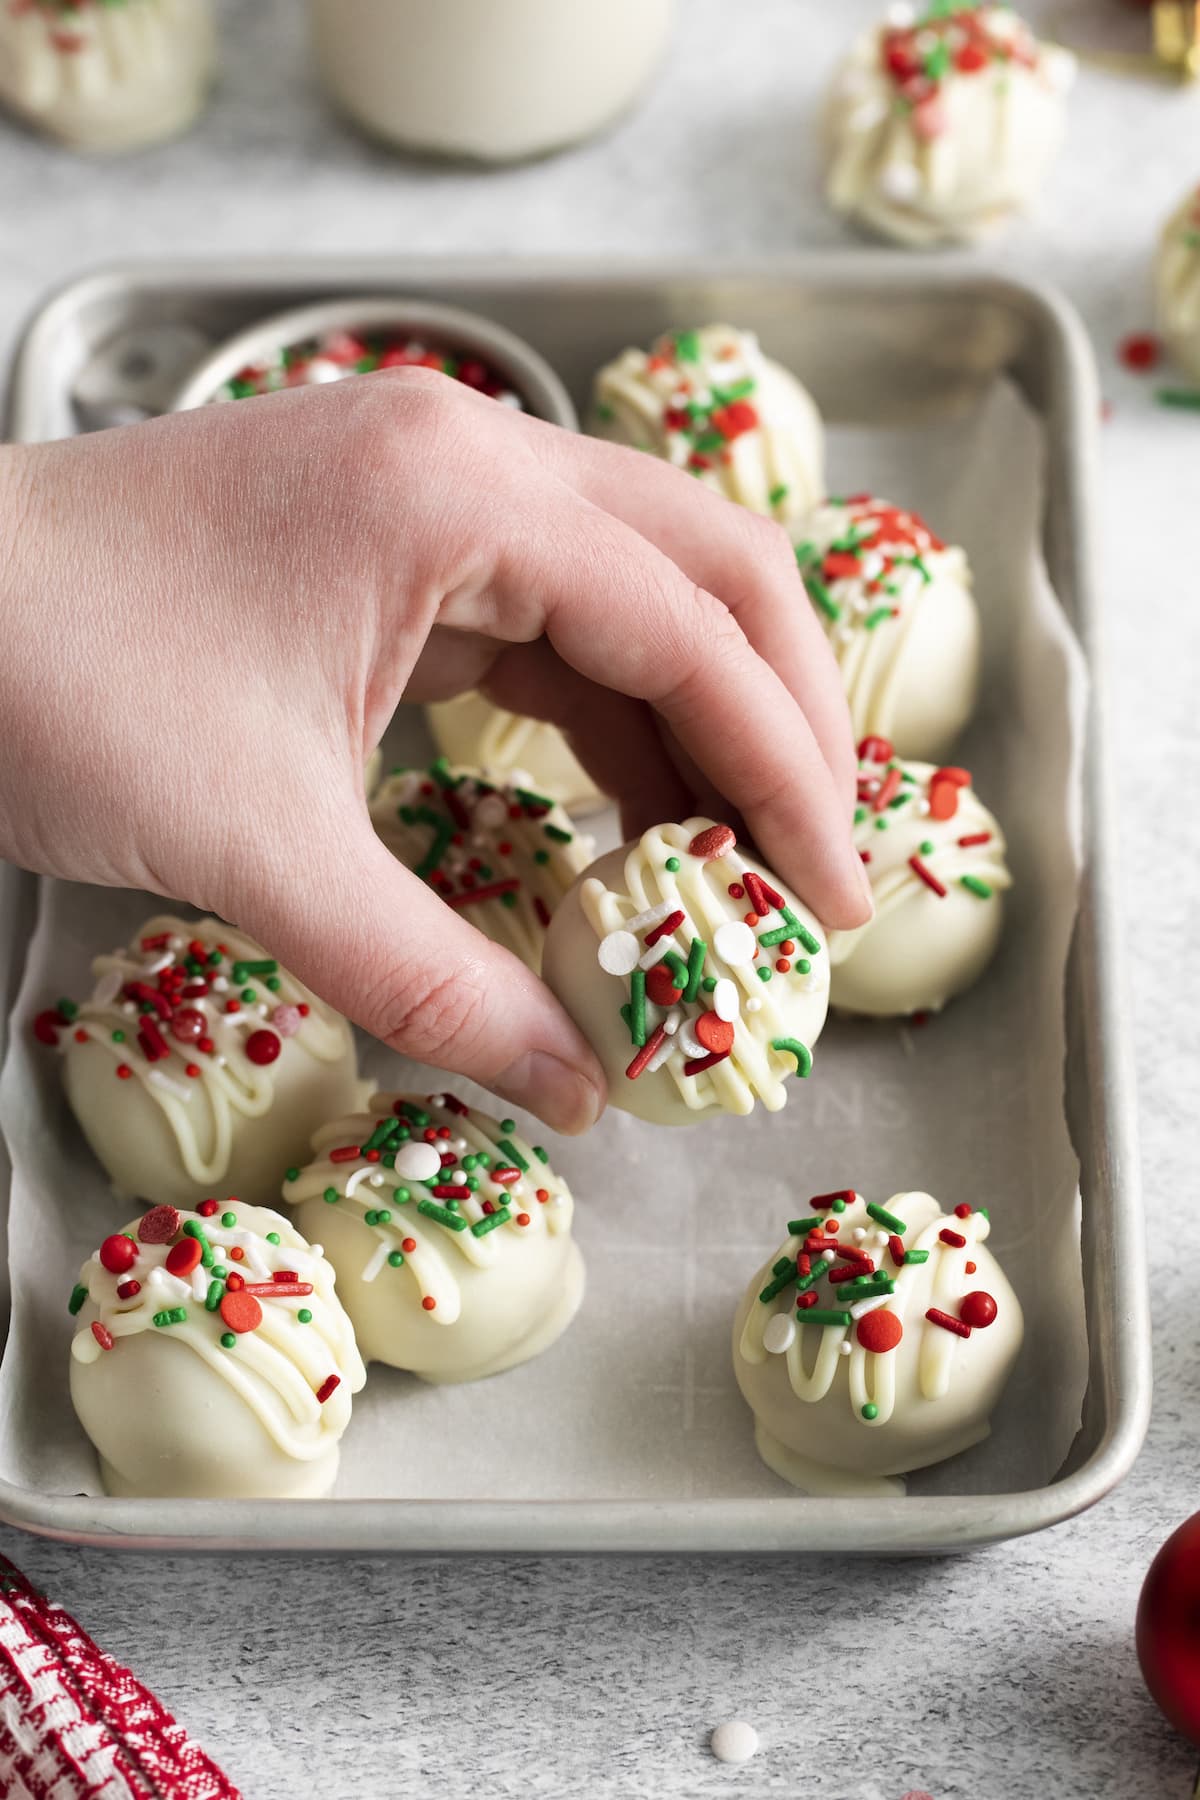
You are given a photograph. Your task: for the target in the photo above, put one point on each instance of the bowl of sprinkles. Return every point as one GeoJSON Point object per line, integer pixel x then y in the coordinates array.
{"type": "Point", "coordinates": [308, 346]}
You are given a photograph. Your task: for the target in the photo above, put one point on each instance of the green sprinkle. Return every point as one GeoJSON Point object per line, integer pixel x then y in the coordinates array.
{"type": "Point", "coordinates": [78, 1295]}
{"type": "Point", "coordinates": [695, 967]}
{"type": "Point", "coordinates": [937, 63]}
{"type": "Point", "coordinates": [800, 930]}
{"type": "Point", "coordinates": [764, 974]}
{"type": "Point", "coordinates": [247, 994]}
{"type": "Point", "coordinates": [816, 1315]}
{"type": "Point", "coordinates": [785, 1262]}
{"type": "Point", "coordinates": [1184, 399]}
{"type": "Point", "coordinates": [541, 856]}
{"type": "Point", "coordinates": [507, 1125]}
{"type": "Point", "coordinates": [291, 1175]}
{"type": "Point", "coordinates": [677, 967]}
{"type": "Point", "coordinates": [709, 983]}
{"type": "Point", "coordinates": [213, 1297]}
{"type": "Point", "coordinates": [558, 834]}
{"type": "Point", "coordinates": [272, 1237]}
{"type": "Point", "coordinates": [673, 864]}
{"type": "Point", "coordinates": [927, 848]}
{"type": "Point", "coordinates": [332, 1195]}
{"type": "Point", "coordinates": [383, 1216]}
{"type": "Point", "coordinates": [873, 1289]}
{"type": "Point", "coordinates": [541, 1154]}
{"type": "Point", "coordinates": [174, 1315]}
{"type": "Point", "coordinates": [974, 885]}
{"type": "Point", "coordinates": [481, 1227]}
{"type": "Point", "coordinates": [806, 553]}
{"type": "Point", "coordinates": [877, 617]}
{"type": "Point", "coordinates": [228, 1220]}
{"type": "Point", "coordinates": [870, 1410]}
{"type": "Point", "coordinates": [803, 966]}
{"type": "Point", "coordinates": [820, 595]}
{"type": "Point", "coordinates": [274, 983]}
{"type": "Point", "coordinates": [778, 494]}
{"type": "Point", "coordinates": [637, 1006]}
{"type": "Point", "coordinates": [604, 412]}
{"type": "Point", "coordinates": [304, 1316]}
{"type": "Point", "coordinates": [687, 346]}
{"type": "Point", "coordinates": [401, 1196]}
{"type": "Point", "coordinates": [118, 1037]}
{"type": "Point", "coordinates": [509, 899]}
{"type": "Point", "coordinates": [67, 1009]}
{"type": "Point", "coordinates": [442, 1214]}
{"type": "Point", "coordinates": [839, 1206]}
{"type": "Point", "coordinates": [819, 1270]}
{"type": "Point", "coordinates": [415, 1114]}
{"type": "Point", "coordinates": [788, 1046]}
{"type": "Point", "coordinates": [882, 823]}
{"type": "Point", "coordinates": [802, 1227]}
{"type": "Point", "coordinates": [396, 1259]}
{"type": "Point", "coordinates": [541, 802]}
{"type": "Point", "coordinates": [243, 969]}
{"type": "Point", "coordinates": [780, 1282]}
{"type": "Point", "coordinates": [778, 936]}
{"type": "Point", "coordinates": [882, 1216]}
{"type": "Point", "coordinates": [916, 1256]}
{"type": "Point", "coordinates": [228, 1340]}
{"type": "Point", "coordinates": [380, 1135]}
{"type": "Point", "coordinates": [512, 1153]}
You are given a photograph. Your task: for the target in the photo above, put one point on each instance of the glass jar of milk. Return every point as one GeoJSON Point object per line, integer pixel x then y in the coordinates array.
{"type": "Point", "coordinates": [493, 80]}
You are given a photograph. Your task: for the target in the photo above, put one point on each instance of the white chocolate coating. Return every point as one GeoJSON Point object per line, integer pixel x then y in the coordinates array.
{"type": "Point", "coordinates": [233, 1125]}
{"type": "Point", "coordinates": [943, 125]}
{"type": "Point", "coordinates": [710, 402]}
{"type": "Point", "coordinates": [897, 607]}
{"type": "Point", "coordinates": [597, 950]}
{"type": "Point", "coordinates": [499, 853]}
{"type": "Point", "coordinates": [922, 947]}
{"type": "Point", "coordinates": [430, 1283]}
{"type": "Point", "coordinates": [932, 1392]}
{"type": "Point", "coordinates": [1177, 279]}
{"type": "Point", "coordinates": [106, 76]}
{"type": "Point", "coordinates": [472, 733]}
{"type": "Point", "coordinates": [171, 1409]}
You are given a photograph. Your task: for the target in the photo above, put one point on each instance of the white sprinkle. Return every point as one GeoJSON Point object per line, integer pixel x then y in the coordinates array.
{"type": "Point", "coordinates": [375, 1178]}
{"type": "Point", "coordinates": [154, 965]}
{"type": "Point", "coordinates": [220, 984]}
{"type": "Point", "coordinates": [828, 1255]}
{"type": "Point", "coordinates": [645, 921]}
{"type": "Point", "coordinates": [866, 1306]}
{"type": "Point", "coordinates": [219, 1061]}
{"type": "Point", "coordinates": [845, 1347]}
{"type": "Point", "coordinates": [417, 1161]}
{"type": "Point", "coordinates": [734, 943]}
{"type": "Point", "coordinates": [899, 181]}
{"type": "Point", "coordinates": [859, 1234]}
{"type": "Point", "coordinates": [779, 1334]}
{"type": "Point", "coordinates": [726, 1003]}
{"type": "Point", "coordinates": [665, 1050]}
{"type": "Point", "coordinates": [320, 370]}
{"type": "Point", "coordinates": [128, 1007]}
{"type": "Point", "coordinates": [754, 1004]}
{"type": "Point", "coordinates": [174, 942]}
{"type": "Point", "coordinates": [376, 1263]}
{"type": "Point", "coordinates": [672, 1022]}
{"type": "Point", "coordinates": [688, 1041]}
{"type": "Point", "coordinates": [734, 1741]}
{"type": "Point", "coordinates": [175, 1088]}
{"type": "Point", "coordinates": [107, 988]}
{"type": "Point", "coordinates": [618, 953]}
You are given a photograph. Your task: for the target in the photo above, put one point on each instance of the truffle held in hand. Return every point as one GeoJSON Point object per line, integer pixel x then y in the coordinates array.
{"type": "Point", "coordinates": [211, 1356]}
{"type": "Point", "coordinates": [936, 861]}
{"type": "Point", "coordinates": [944, 121]}
{"type": "Point", "coordinates": [450, 1234]}
{"type": "Point", "coordinates": [897, 608]}
{"type": "Point", "coordinates": [199, 1063]}
{"type": "Point", "coordinates": [876, 1340]}
{"type": "Point", "coordinates": [710, 402]}
{"type": "Point", "coordinates": [699, 979]}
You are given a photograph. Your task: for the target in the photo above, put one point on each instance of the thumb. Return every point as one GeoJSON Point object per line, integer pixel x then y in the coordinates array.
{"type": "Point", "coordinates": [373, 941]}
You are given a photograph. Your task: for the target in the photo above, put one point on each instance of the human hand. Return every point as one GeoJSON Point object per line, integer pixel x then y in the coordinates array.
{"type": "Point", "coordinates": [212, 617]}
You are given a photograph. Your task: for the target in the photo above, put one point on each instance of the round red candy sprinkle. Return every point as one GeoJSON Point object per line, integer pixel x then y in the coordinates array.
{"type": "Point", "coordinates": [522, 1218]}
{"type": "Point", "coordinates": [207, 1208]}
{"type": "Point", "coordinates": [123, 1071]}
{"type": "Point", "coordinates": [241, 1311]}
{"type": "Point", "coordinates": [117, 1254]}
{"type": "Point", "coordinates": [184, 1256]}
{"type": "Point", "coordinates": [661, 986]}
{"type": "Point", "coordinates": [962, 1210]}
{"type": "Point", "coordinates": [978, 1310]}
{"type": "Point", "coordinates": [879, 1331]}
{"type": "Point", "coordinates": [715, 1034]}
{"type": "Point", "coordinates": [736, 890]}
{"type": "Point", "coordinates": [160, 1224]}
{"type": "Point", "coordinates": [47, 1026]}
{"type": "Point", "coordinates": [429, 1303]}
{"type": "Point", "coordinates": [235, 1282]}
{"type": "Point", "coordinates": [1140, 350]}
{"type": "Point", "coordinates": [715, 841]}
{"type": "Point", "coordinates": [408, 1245]}
{"type": "Point", "coordinates": [188, 1025]}
{"type": "Point", "coordinates": [263, 1047]}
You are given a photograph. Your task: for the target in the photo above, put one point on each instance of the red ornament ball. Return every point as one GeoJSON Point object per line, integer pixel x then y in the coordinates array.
{"type": "Point", "coordinates": [118, 1254]}
{"type": "Point", "coordinates": [188, 1025]}
{"type": "Point", "coordinates": [977, 1310]}
{"type": "Point", "coordinates": [263, 1047]}
{"type": "Point", "coordinates": [879, 1331]}
{"type": "Point", "coordinates": [1168, 1629]}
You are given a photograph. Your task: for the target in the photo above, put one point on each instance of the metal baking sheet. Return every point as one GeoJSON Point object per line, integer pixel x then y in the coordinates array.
{"type": "Point", "coordinates": [881, 339]}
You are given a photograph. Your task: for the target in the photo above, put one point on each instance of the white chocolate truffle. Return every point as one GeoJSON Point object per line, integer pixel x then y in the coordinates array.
{"type": "Point", "coordinates": [450, 1234]}
{"type": "Point", "coordinates": [897, 607]}
{"type": "Point", "coordinates": [199, 1064]}
{"type": "Point", "coordinates": [710, 402]}
{"type": "Point", "coordinates": [1177, 278]}
{"type": "Point", "coordinates": [901, 1357]}
{"type": "Point", "coordinates": [935, 857]}
{"type": "Point", "coordinates": [211, 1357]}
{"type": "Point", "coordinates": [700, 981]}
{"type": "Point", "coordinates": [943, 123]}
{"type": "Point", "coordinates": [498, 852]}
{"type": "Point", "coordinates": [472, 733]}
{"type": "Point", "coordinates": [106, 76]}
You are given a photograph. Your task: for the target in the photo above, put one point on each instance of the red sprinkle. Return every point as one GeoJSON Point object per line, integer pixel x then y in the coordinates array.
{"type": "Point", "coordinates": [129, 1290]}
{"type": "Point", "coordinates": [876, 750]}
{"type": "Point", "coordinates": [206, 1209]}
{"type": "Point", "coordinates": [522, 1218]}
{"type": "Point", "coordinates": [331, 1383]}
{"type": "Point", "coordinates": [1141, 350]}
{"type": "Point", "coordinates": [102, 1335]}
{"type": "Point", "coordinates": [504, 1174]}
{"type": "Point", "coordinates": [927, 876]}
{"type": "Point", "coordinates": [978, 1310]}
{"type": "Point", "coordinates": [955, 1239]}
{"type": "Point", "coordinates": [671, 923]}
{"type": "Point", "coordinates": [47, 1026]}
{"type": "Point", "coordinates": [645, 1053]}
{"type": "Point", "coordinates": [962, 1210]}
{"type": "Point", "coordinates": [154, 1045]}
{"type": "Point", "coordinates": [937, 1317]}
{"type": "Point", "coordinates": [262, 1047]}
{"type": "Point", "coordinates": [808, 1299]}
{"type": "Point", "coordinates": [974, 837]}
{"type": "Point", "coordinates": [896, 1247]}
{"type": "Point", "coordinates": [879, 1331]}
{"type": "Point", "coordinates": [821, 1201]}
{"type": "Point", "coordinates": [696, 1065]}
{"type": "Point", "coordinates": [451, 1191]}
{"type": "Point", "coordinates": [277, 1289]}
{"type": "Point", "coordinates": [429, 1303]}
{"type": "Point", "coordinates": [184, 1256]}
{"type": "Point", "coordinates": [760, 893]}
{"type": "Point", "coordinates": [160, 1224]}
{"type": "Point", "coordinates": [714, 1033]}
{"type": "Point", "coordinates": [492, 891]}
{"type": "Point", "coordinates": [887, 790]}
{"type": "Point", "coordinates": [541, 909]}
{"type": "Point", "coordinates": [345, 1153]}
{"type": "Point", "coordinates": [240, 1311]}
{"type": "Point", "coordinates": [118, 1254]}
{"type": "Point", "coordinates": [408, 1245]}
{"type": "Point", "coordinates": [714, 842]}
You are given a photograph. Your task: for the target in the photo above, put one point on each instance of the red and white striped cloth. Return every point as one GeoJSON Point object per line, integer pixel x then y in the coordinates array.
{"type": "Point", "coordinates": [75, 1725]}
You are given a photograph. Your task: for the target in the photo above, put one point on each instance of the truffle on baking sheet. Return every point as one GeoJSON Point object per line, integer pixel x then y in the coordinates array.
{"type": "Point", "coordinates": [199, 1063]}
{"type": "Point", "coordinates": [700, 981]}
{"type": "Point", "coordinates": [897, 608]}
{"type": "Point", "coordinates": [710, 402]}
{"type": "Point", "coordinates": [212, 1357]}
{"type": "Point", "coordinates": [496, 851]}
{"type": "Point", "coordinates": [1177, 278]}
{"type": "Point", "coordinates": [876, 1340]}
{"type": "Point", "coordinates": [106, 76]}
{"type": "Point", "coordinates": [450, 1233]}
{"type": "Point", "coordinates": [472, 733]}
{"type": "Point", "coordinates": [936, 861]}
{"type": "Point", "coordinates": [944, 121]}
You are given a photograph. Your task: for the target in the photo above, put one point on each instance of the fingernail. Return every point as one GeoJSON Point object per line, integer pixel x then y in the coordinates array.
{"type": "Point", "coordinates": [864, 882]}
{"type": "Point", "coordinates": [553, 1089]}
